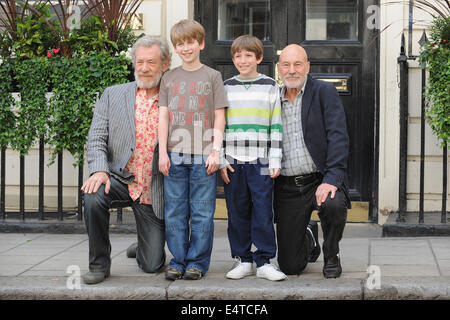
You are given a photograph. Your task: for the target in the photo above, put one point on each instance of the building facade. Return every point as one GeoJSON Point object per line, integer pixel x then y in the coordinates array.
{"type": "Point", "coordinates": [353, 43]}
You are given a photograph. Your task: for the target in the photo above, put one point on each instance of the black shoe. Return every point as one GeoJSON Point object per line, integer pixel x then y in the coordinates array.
{"type": "Point", "coordinates": [131, 251]}
{"type": "Point", "coordinates": [93, 277]}
{"type": "Point", "coordinates": [173, 274]}
{"type": "Point", "coordinates": [313, 229]}
{"type": "Point", "coordinates": [192, 274]}
{"type": "Point", "coordinates": [332, 267]}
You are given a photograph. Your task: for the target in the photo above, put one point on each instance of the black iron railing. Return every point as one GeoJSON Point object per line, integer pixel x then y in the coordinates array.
{"type": "Point", "coordinates": [404, 99]}
{"type": "Point", "coordinates": [41, 214]}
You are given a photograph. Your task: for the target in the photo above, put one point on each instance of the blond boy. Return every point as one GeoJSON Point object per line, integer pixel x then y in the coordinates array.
{"type": "Point", "coordinates": [192, 119]}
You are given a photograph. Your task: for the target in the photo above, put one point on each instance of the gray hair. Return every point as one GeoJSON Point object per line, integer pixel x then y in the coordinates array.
{"type": "Point", "coordinates": [148, 41]}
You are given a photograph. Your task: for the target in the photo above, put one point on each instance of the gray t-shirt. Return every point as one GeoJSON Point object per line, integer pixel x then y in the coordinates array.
{"type": "Point", "coordinates": [192, 97]}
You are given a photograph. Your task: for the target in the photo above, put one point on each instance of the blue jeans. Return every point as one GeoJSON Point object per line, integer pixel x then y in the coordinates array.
{"type": "Point", "coordinates": [190, 202]}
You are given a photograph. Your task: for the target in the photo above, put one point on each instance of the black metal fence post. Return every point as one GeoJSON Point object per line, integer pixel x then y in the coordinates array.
{"type": "Point", "coordinates": [422, 147]}
{"type": "Point", "coordinates": [3, 184]}
{"type": "Point", "coordinates": [80, 193]}
{"type": "Point", "coordinates": [423, 40]}
{"type": "Point", "coordinates": [41, 178]}
{"type": "Point", "coordinates": [22, 187]}
{"type": "Point", "coordinates": [402, 60]}
{"type": "Point", "coordinates": [60, 187]}
{"type": "Point", "coordinates": [444, 184]}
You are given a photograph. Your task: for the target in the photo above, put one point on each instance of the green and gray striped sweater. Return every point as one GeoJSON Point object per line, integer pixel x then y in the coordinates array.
{"type": "Point", "coordinates": [253, 120]}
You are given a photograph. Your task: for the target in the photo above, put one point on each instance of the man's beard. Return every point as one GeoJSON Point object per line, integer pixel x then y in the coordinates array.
{"type": "Point", "coordinates": [300, 81]}
{"type": "Point", "coordinates": [150, 85]}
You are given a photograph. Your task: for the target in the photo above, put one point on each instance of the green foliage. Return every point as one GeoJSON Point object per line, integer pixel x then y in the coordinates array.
{"type": "Point", "coordinates": [126, 39]}
{"type": "Point", "coordinates": [436, 56]}
{"type": "Point", "coordinates": [90, 59]}
{"type": "Point", "coordinates": [107, 70]}
{"type": "Point", "coordinates": [93, 37]}
{"type": "Point", "coordinates": [76, 83]}
{"type": "Point", "coordinates": [32, 117]}
{"type": "Point", "coordinates": [5, 45]}
{"type": "Point", "coordinates": [7, 117]}
{"type": "Point", "coordinates": [440, 31]}
{"type": "Point", "coordinates": [36, 33]}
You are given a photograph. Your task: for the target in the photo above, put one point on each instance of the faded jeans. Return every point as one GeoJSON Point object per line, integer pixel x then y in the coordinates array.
{"type": "Point", "coordinates": [190, 202]}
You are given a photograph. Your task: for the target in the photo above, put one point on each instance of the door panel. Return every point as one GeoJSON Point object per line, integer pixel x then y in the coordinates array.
{"type": "Point", "coordinates": [217, 50]}
{"type": "Point", "coordinates": [351, 71]}
{"type": "Point", "coordinates": [334, 34]}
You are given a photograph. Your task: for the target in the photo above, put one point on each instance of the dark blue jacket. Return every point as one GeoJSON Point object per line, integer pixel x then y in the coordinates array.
{"type": "Point", "coordinates": [325, 132]}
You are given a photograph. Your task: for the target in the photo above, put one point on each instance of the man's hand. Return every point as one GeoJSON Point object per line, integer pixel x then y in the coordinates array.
{"type": "Point", "coordinates": [322, 192]}
{"type": "Point", "coordinates": [164, 163]}
{"type": "Point", "coordinates": [212, 163]}
{"type": "Point", "coordinates": [224, 173]}
{"type": "Point", "coordinates": [274, 172]}
{"type": "Point", "coordinates": [95, 181]}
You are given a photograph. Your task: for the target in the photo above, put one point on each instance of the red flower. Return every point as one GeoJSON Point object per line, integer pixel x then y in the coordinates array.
{"type": "Point", "coordinates": [49, 54]}
{"type": "Point", "coordinates": [55, 51]}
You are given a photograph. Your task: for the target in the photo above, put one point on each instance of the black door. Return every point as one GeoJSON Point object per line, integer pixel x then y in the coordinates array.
{"type": "Point", "coordinates": [342, 48]}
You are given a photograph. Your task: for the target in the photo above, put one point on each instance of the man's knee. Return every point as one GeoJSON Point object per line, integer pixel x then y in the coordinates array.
{"type": "Point", "coordinates": [95, 201]}
{"type": "Point", "coordinates": [151, 269]}
{"type": "Point", "coordinates": [152, 265]}
{"type": "Point", "coordinates": [335, 207]}
{"type": "Point", "coordinates": [292, 267]}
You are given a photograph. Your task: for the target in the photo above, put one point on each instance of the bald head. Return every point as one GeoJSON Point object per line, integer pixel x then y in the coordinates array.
{"type": "Point", "coordinates": [294, 50]}
{"type": "Point", "coordinates": [293, 66]}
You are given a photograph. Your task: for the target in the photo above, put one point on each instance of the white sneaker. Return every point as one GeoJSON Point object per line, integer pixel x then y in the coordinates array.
{"type": "Point", "coordinates": [241, 270]}
{"type": "Point", "coordinates": [270, 272]}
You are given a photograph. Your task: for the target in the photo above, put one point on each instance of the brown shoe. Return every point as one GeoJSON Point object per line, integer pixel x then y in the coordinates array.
{"type": "Point", "coordinates": [192, 274]}
{"type": "Point", "coordinates": [173, 274]}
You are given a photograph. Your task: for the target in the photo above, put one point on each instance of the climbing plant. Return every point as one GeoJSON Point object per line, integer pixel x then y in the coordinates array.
{"type": "Point", "coordinates": [435, 56]}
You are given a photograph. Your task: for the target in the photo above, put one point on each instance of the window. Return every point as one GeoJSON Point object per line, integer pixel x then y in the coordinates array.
{"type": "Point", "coordinates": [238, 17]}
{"type": "Point", "coordinates": [332, 19]}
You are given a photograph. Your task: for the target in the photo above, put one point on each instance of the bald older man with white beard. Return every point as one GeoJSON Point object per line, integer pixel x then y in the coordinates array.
{"type": "Point", "coordinates": [313, 168]}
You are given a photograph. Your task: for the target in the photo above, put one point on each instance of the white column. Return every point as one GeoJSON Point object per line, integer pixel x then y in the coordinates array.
{"type": "Point", "coordinates": [175, 11]}
{"type": "Point", "coordinates": [390, 40]}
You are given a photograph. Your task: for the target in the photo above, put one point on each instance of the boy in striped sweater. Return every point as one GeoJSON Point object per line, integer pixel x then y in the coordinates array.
{"type": "Point", "coordinates": [251, 159]}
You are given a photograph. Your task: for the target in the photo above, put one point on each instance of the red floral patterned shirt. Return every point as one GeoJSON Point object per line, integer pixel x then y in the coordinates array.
{"type": "Point", "coordinates": [140, 163]}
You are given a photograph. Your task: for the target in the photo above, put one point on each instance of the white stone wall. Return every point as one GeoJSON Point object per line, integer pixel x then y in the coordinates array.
{"type": "Point", "coordinates": [161, 15]}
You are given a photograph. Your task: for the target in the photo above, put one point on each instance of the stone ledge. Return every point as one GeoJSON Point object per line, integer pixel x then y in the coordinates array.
{"type": "Point", "coordinates": [214, 287]}
{"type": "Point", "coordinates": [59, 227]}
{"type": "Point", "coordinates": [412, 228]}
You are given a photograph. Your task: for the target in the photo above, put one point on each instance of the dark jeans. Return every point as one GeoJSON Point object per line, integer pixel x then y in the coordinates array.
{"type": "Point", "coordinates": [250, 217]}
{"type": "Point", "coordinates": [150, 254]}
{"type": "Point", "coordinates": [293, 206]}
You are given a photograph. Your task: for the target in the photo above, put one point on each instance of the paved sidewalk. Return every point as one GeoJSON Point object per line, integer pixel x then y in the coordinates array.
{"type": "Point", "coordinates": [34, 266]}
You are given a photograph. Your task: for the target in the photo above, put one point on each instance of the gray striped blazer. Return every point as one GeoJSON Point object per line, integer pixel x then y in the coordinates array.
{"type": "Point", "coordinates": [112, 139]}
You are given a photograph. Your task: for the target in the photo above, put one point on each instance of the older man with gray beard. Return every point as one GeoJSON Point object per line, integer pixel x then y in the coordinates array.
{"type": "Point", "coordinates": [313, 168]}
{"type": "Point", "coordinates": [122, 155]}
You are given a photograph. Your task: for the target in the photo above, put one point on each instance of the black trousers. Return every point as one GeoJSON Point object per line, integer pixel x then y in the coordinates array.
{"type": "Point", "coordinates": [150, 255]}
{"type": "Point", "coordinates": [293, 206]}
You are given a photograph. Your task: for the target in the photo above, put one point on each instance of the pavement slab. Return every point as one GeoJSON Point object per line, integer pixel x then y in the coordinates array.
{"type": "Point", "coordinates": [48, 266]}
